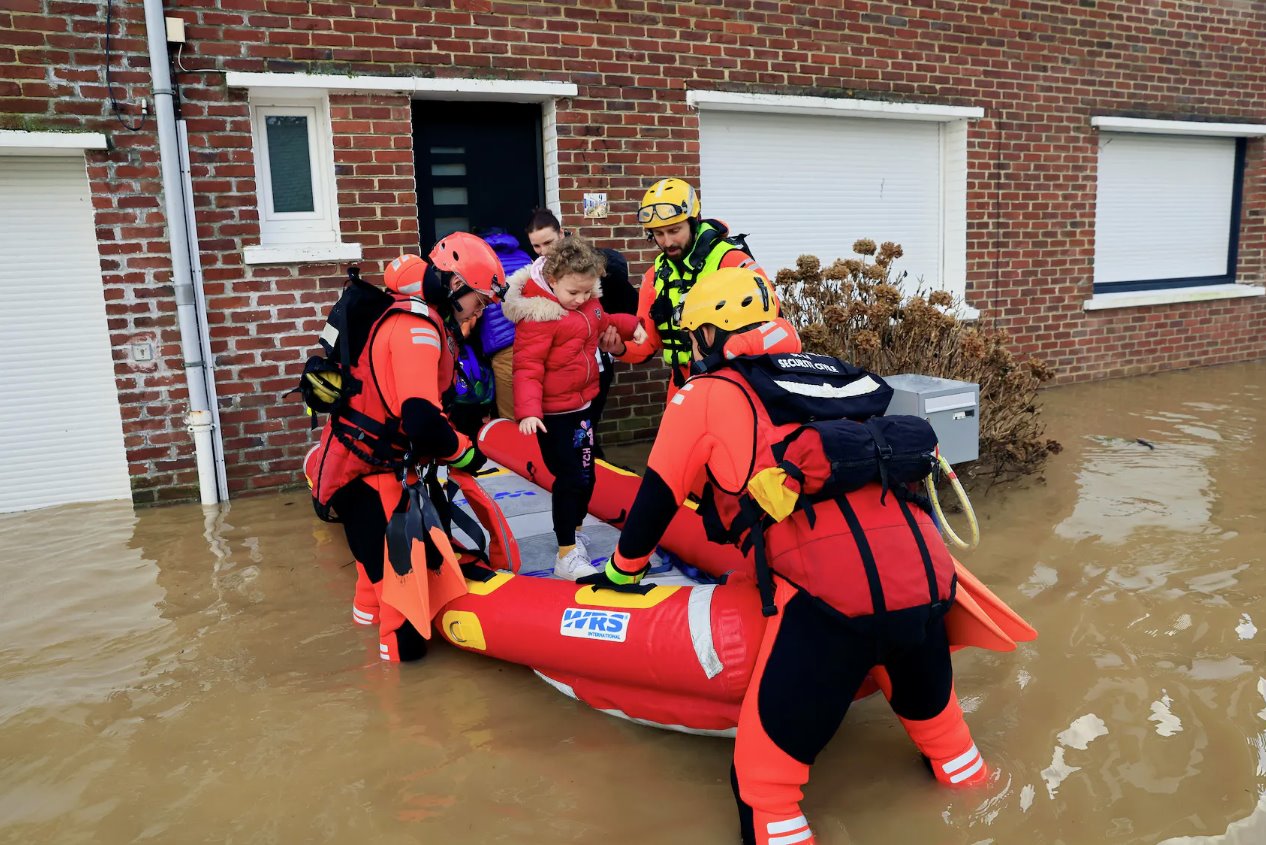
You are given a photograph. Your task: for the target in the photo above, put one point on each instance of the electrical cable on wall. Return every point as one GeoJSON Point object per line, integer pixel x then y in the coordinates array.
{"type": "Point", "coordinates": [114, 103]}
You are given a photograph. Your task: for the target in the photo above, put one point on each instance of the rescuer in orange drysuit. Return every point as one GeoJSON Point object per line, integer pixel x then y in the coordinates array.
{"type": "Point", "coordinates": [397, 418]}
{"type": "Point", "coordinates": [858, 582]}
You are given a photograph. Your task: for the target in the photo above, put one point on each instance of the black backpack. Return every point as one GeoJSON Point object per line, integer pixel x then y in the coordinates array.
{"type": "Point", "coordinates": [844, 406]}
{"type": "Point", "coordinates": [842, 442]}
{"type": "Point", "coordinates": [327, 382]}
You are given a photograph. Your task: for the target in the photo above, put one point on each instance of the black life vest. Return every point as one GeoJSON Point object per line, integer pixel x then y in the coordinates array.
{"type": "Point", "coordinates": [846, 541]}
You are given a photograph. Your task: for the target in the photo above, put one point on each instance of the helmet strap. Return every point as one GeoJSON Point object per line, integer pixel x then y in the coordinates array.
{"type": "Point", "coordinates": [435, 285]}
{"type": "Point", "coordinates": [715, 348]}
{"type": "Point", "coordinates": [454, 296]}
{"type": "Point", "coordinates": [706, 364]}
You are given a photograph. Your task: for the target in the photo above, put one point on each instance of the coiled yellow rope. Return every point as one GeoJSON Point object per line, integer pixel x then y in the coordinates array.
{"type": "Point", "coordinates": [953, 538]}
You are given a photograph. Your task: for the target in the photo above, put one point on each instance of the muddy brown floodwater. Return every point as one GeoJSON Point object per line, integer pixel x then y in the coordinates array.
{"type": "Point", "coordinates": [170, 675]}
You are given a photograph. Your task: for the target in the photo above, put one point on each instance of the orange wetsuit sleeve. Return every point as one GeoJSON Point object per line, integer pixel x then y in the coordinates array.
{"type": "Point", "coordinates": [636, 353]}
{"type": "Point", "coordinates": [407, 359]}
{"type": "Point", "coordinates": [708, 425]}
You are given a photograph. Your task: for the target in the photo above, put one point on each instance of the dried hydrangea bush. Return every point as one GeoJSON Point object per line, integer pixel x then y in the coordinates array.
{"type": "Point", "coordinates": [855, 310]}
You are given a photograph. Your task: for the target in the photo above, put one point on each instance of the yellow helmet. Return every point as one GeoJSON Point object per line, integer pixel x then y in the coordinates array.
{"type": "Point", "coordinates": [669, 201]}
{"type": "Point", "coordinates": [730, 299]}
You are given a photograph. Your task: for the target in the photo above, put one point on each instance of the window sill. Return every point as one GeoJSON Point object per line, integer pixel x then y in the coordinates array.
{"type": "Point", "coordinates": [1135, 298]}
{"type": "Point", "coordinates": [301, 253]}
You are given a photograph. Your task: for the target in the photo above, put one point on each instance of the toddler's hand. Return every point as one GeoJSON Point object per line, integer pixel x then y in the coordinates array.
{"type": "Point", "coordinates": [531, 425]}
{"type": "Point", "coordinates": [610, 342]}
{"type": "Point", "coordinates": [639, 334]}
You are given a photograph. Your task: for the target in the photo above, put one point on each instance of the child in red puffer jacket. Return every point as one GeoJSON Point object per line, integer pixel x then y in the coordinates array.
{"type": "Point", "coordinates": [558, 320]}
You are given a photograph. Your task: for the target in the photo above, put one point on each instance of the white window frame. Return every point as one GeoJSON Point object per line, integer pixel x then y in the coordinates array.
{"type": "Point", "coordinates": [1108, 297]}
{"type": "Point", "coordinates": [954, 122]}
{"type": "Point", "coordinates": [288, 88]}
{"type": "Point", "coordinates": [297, 236]}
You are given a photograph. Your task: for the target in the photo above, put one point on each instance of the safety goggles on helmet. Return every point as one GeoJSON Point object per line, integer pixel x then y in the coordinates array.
{"type": "Point", "coordinates": [668, 202]}
{"type": "Point", "coordinates": [662, 211]}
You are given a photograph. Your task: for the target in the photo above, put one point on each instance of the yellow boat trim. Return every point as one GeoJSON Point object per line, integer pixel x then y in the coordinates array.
{"type": "Point", "coordinates": [590, 597]}
{"type": "Point", "coordinates": [483, 588]}
{"type": "Point", "coordinates": [462, 628]}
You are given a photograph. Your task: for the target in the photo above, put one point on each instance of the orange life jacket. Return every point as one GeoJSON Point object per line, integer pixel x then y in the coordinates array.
{"type": "Point", "coordinates": [364, 437]}
{"type": "Point", "coordinates": [867, 552]}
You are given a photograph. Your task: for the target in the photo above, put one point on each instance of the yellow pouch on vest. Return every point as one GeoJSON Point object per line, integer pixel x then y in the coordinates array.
{"type": "Point", "coordinates": [325, 386]}
{"type": "Point", "coordinates": [770, 489]}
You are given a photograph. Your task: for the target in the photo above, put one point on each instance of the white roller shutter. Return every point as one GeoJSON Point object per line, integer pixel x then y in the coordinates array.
{"type": "Point", "coordinates": [1163, 207]}
{"type": "Point", "coordinates": [61, 436]}
{"type": "Point", "coordinates": [815, 184]}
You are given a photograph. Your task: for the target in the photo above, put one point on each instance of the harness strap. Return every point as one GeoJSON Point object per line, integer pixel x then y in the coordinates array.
{"type": "Point", "coordinates": [450, 515]}
{"type": "Point", "coordinates": [924, 554]}
{"type": "Point", "coordinates": [884, 451]}
{"type": "Point", "coordinates": [466, 523]}
{"type": "Point", "coordinates": [764, 575]}
{"type": "Point", "coordinates": [868, 557]}
{"type": "Point", "coordinates": [414, 516]}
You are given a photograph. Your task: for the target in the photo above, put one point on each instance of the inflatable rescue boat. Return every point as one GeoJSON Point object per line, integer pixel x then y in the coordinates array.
{"type": "Point", "coordinates": [677, 656]}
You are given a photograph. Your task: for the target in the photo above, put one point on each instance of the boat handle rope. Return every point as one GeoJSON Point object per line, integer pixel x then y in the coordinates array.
{"type": "Point", "coordinates": [957, 486]}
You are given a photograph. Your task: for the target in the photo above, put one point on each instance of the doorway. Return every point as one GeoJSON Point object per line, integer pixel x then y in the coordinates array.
{"type": "Point", "coordinates": [479, 165]}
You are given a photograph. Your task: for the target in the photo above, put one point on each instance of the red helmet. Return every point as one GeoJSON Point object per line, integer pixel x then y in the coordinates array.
{"type": "Point", "coordinates": [473, 261]}
{"type": "Point", "coordinates": [405, 274]}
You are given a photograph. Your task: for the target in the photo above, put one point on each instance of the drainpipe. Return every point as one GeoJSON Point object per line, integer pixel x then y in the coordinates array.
{"type": "Point", "coordinates": [204, 332]}
{"type": "Point", "coordinates": [200, 420]}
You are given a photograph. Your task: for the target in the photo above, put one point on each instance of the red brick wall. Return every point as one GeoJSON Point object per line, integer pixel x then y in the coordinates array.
{"type": "Point", "coordinates": [1040, 70]}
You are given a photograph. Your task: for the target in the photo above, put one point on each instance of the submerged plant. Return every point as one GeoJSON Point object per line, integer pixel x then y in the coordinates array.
{"type": "Point", "coordinates": [855, 310]}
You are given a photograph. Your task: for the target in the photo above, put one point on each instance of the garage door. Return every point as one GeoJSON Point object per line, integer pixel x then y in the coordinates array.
{"type": "Point", "coordinates": [61, 436]}
{"type": "Point", "coordinates": [814, 184]}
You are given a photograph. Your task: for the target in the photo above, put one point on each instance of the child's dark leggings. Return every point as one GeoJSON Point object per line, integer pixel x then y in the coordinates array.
{"type": "Point", "coordinates": [567, 449]}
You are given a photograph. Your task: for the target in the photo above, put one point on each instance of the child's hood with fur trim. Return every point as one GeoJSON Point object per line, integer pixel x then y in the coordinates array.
{"type": "Point", "coordinates": [530, 299]}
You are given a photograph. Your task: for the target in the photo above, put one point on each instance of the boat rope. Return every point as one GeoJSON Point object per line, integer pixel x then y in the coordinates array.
{"type": "Point", "coordinates": [957, 486]}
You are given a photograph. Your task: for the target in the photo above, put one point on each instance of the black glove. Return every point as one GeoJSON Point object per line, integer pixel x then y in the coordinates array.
{"type": "Point", "coordinates": [603, 578]}
{"type": "Point", "coordinates": [598, 579]}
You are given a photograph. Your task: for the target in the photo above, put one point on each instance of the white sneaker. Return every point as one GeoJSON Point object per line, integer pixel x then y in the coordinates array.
{"type": "Point", "coordinates": [575, 564]}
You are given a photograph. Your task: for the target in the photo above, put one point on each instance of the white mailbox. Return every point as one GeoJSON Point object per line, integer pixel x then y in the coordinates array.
{"type": "Point", "coordinates": [952, 407]}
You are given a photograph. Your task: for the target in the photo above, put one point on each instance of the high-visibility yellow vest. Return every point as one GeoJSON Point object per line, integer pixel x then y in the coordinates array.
{"type": "Point", "coordinates": [674, 278]}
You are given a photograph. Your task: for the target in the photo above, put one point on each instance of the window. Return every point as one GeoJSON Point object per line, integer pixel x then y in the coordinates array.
{"type": "Point", "coordinates": [845, 170]}
{"type": "Point", "coordinates": [294, 176]}
{"type": "Point", "coordinates": [1167, 211]}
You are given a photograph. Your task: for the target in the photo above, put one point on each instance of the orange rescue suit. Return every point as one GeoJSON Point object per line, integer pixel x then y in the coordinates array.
{"type": "Point", "coordinates": [410, 355]}
{"type": "Point", "coordinates": [869, 553]}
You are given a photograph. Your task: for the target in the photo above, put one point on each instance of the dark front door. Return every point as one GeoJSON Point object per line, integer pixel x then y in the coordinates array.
{"type": "Point", "coordinates": [479, 167]}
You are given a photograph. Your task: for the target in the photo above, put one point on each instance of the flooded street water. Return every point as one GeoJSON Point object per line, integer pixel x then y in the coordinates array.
{"type": "Point", "coordinates": [170, 675]}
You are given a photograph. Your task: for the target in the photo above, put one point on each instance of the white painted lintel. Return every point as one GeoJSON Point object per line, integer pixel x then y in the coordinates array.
{"type": "Point", "coordinates": [1178, 127]}
{"type": "Point", "coordinates": [829, 106]}
{"type": "Point", "coordinates": [19, 142]}
{"type": "Point", "coordinates": [513, 90]}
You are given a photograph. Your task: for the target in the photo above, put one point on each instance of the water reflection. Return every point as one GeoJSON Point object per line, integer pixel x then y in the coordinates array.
{"type": "Point", "coordinates": [158, 667]}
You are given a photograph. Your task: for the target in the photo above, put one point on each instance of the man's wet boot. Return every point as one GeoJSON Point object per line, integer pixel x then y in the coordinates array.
{"type": "Point", "coordinates": [946, 742]}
